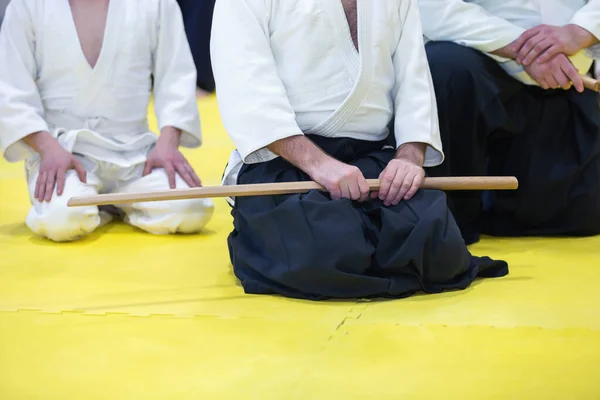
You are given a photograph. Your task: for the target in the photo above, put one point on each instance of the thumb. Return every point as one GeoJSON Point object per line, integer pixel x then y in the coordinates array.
{"type": "Point", "coordinates": [81, 172]}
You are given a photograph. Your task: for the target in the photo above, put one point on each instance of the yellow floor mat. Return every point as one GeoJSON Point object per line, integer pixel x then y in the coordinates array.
{"type": "Point", "coordinates": [126, 315]}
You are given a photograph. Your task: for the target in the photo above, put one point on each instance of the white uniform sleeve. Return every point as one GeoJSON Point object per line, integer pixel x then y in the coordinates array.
{"type": "Point", "coordinates": [467, 24]}
{"type": "Point", "coordinates": [588, 17]}
{"type": "Point", "coordinates": [21, 108]}
{"type": "Point", "coordinates": [416, 118]}
{"type": "Point", "coordinates": [175, 76]}
{"type": "Point", "coordinates": [252, 98]}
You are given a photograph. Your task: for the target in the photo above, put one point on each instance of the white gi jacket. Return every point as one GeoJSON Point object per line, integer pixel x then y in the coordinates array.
{"type": "Point", "coordinates": [289, 67]}
{"type": "Point", "coordinates": [46, 83]}
{"type": "Point", "coordinates": [488, 25]}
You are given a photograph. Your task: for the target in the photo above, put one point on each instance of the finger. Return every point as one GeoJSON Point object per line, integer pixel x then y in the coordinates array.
{"type": "Point", "coordinates": [363, 186]}
{"type": "Point", "coordinates": [386, 178]}
{"type": "Point", "coordinates": [375, 195]}
{"type": "Point", "coordinates": [405, 186]}
{"type": "Point", "coordinates": [538, 49]}
{"type": "Point", "coordinates": [350, 190]}
{"type": "Point", "coordinates": [60, 181]}
{"type": "Point", "coordinates": [578, 83]}
{"type": "Point", "coordinates": [396, 187]}
{"type": "Point", "coordinates": [39, 186]}
{"type": "Point", "coordinates": [354, 189]}
{"type": "Point", "coordinates": [185, 175]}
{"type": "Point", "coordinates": [573, 76]}
{"type": "Point", "coordinates": [548, 54]}
{"type": "Point", "coordinates": [345, 191]}
{"type": "Point", "coordinates": [416, 185]}
{"type": "Point", "coordinates": [50, 184]}
{"type": "Point", "coordinates": [195, 177]}
{"type": "Point", "coordinates": [525, 36]}
{"type": "Point", "coordinates": [397, 199]}
{"type": "Point", "coordinates": [551, 82]}
{"type": "Point", "coordinates": [542, 82]}
{"type": "Point", "coordinates": [562, 79]}
{"type": "Point", "coordinates": [170, 170]}
{"type": "Point", "coordinates": [527, 47]}
{"type": "Point", "coordinates": [147, 168]}
{"type": "Point", "coordinates": [81, 172]}
{"type": "Point", "coordinates": [335, 193]}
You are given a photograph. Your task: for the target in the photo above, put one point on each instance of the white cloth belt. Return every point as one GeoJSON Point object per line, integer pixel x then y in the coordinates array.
{"type": "Point", "coordinates": [124, 143]}
{"type": "Point", "coordinates": [120, 131]}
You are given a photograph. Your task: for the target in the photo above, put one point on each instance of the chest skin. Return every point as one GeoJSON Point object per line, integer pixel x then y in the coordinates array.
{"type": "Point", "coordinates": [89, 17]}
{"type": "Point", "coordinates": [351, 11]}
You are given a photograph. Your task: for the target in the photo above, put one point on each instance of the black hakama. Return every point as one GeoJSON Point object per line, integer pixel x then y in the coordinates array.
{"type": "Point", "coordinates": [492, 124]}
{"type": "Point", "coordinates": [197, 18]}
{"type": "Point", "coordinates": [311, 247]}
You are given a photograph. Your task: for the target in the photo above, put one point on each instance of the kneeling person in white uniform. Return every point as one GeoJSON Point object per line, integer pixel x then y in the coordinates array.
{"type": "Point", "coordinates": [307, 91]}
{"type": "Point", "coordinates": [75, 85]}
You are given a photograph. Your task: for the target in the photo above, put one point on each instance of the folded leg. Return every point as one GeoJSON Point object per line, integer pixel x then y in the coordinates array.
{"type": "Point", "coordinates": [418, 242]}
{"type": "Point", "coordinates": [53, 219]}
{"type": "Point", "coordinates": [309, 246]}
{"type": "Point", "coordinates": [549, 140]}
{"type": "Point", "coordinates": [165, 217]}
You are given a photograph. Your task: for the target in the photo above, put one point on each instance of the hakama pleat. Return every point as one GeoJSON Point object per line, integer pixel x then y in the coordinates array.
{"type": "Point", "coordinates": [492, 124]}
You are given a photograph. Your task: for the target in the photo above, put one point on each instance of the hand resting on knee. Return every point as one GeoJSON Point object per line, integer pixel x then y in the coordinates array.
{"type": "Point", "coordinates": [55, 162]}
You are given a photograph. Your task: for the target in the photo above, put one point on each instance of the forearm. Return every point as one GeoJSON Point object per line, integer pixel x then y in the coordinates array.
{"type": "Point", "coordinates": [414, 152]}
{"type": "Point", "coordinates": [41, 142]}
{"type": "Point", "coordinates": [301, 152]}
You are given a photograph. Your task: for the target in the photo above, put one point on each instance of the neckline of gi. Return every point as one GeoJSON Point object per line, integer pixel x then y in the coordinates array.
{"type": "Point", "coordinates": [77, 39]}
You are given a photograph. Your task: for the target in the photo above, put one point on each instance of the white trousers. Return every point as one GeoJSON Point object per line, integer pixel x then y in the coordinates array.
{"type": "Point", "coordinates": [57, 222]}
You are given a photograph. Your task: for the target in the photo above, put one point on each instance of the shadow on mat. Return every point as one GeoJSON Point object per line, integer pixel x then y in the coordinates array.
{"type": "Point", "coordinates": [15, 230]}
{"type": "Point", "coordinates": [422, 297]}
{"type": "Point", "coordinates": [113, 228]}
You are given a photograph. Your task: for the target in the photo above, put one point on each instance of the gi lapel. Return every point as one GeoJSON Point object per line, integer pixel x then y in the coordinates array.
{"type": "Point", "coordinates": [359, 63]}
{"type": "Point", "coordinates": [97, 78]}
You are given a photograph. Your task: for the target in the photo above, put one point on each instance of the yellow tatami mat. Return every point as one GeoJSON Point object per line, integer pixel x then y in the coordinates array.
{"type": "Point", "coordinates": [126, 315]}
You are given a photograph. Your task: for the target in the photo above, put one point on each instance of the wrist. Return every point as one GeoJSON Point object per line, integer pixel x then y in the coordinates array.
{"type": "Point", "coordinates": [581, 36]}
{"type": "Point", "coordinates": [41, 142]}
{"type": "Point", "coordinates": [169, 136]}
{"type": "Point", "coordinates": [413, 152]}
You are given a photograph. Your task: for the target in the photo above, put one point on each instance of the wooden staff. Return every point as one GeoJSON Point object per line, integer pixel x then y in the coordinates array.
{"type": "Point", "coordinates": [591, 83]}
{"type": "Point", "coordinates": [270, 189]}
